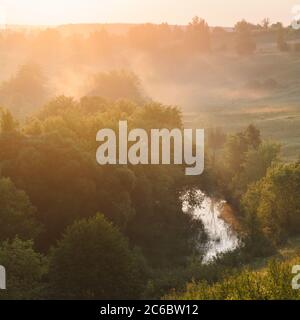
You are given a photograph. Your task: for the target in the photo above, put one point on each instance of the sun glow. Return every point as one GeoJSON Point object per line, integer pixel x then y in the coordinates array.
{"type": "Point", "coordinates": [53, 12]}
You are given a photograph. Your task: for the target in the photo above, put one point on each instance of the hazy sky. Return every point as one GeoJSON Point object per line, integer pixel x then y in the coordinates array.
{"type": "Point", "coordinates": [216, 12]}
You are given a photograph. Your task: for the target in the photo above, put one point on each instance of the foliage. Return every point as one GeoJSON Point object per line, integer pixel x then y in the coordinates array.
{"type": "Point", "coordinates": [273, 283]}
{"type": "Point", "coordinates": [256, 163]}
{"type": "Point", "coordinates": [93, 261]}
{"type": "Point", "coordinates": [116, 85]}
{"type": "Point", "coordinates": [274, 201]}
{"type": "Point", "coordinates": [281, 41]}
{"type": "Point", "coordinates": [245, 43]}
{"type": "Point", "coordinates": [25, 270]}
{"type": "Point", "coordinates": [198, 36]}
{"type": "Point", "coordinates": [8, 123]}
{"type": "Point", "coordinates": [53, 160]}
{"type": "Point", "coordinates": [25, 91]}
{"type": "Point", "coordinates": [17, 215]}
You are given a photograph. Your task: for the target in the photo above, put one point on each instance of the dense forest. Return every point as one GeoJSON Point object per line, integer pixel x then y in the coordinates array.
{"type": "Point", "coordinates": [72, 229]}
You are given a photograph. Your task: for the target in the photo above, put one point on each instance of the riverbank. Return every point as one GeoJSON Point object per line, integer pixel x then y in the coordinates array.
{"type": "Point", "coordinates": [228, 215]}
{"type": "Point", "coordinates": [263, 279]}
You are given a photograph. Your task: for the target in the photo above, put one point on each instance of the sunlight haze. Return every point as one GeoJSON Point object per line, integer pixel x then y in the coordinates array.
{"type": "Point", "coordinates": [216, 12]}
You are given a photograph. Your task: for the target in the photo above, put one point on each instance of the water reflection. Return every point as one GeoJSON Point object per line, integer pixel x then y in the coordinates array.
{"type": "Point", "coordinates": [221, 236]}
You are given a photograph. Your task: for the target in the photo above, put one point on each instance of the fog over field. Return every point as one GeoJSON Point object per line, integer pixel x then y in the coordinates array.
{"type": "Point", "coordinates": [85, 214]}
{"type": "Point", "coordinates": [217, 88]}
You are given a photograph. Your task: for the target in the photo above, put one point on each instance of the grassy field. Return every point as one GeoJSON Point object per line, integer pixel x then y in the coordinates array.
{"type": "Point", "coordinates": [264, 90]}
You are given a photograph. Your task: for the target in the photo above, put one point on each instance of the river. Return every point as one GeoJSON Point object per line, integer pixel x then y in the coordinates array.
{"type": "Point", "coordinates": [221, 236]}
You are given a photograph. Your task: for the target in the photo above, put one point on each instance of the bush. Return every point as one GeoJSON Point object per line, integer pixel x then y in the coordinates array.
{"type": "Point", "coordinates": [17, 215]}
{"type": "Point", "coordinates": [272, 283]}
{"type": "Point", "coordinates": [25, 270]}
{"type": "Point", "coordinates": [274, 202]}
{"type": "Point", "coordinates": [93, 261]}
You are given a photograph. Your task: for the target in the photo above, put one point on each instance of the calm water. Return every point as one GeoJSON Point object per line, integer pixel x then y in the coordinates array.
{"type": "Point", "coordinates": [221, 236]}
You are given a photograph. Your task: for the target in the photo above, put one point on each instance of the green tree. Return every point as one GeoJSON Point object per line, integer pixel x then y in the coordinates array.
{"type": "Point", "coordinates": [235, 149]}
{"type": "Point", "coordinates": [26, 91]}
{"type": "Point", "coordinates": [25, 270]}
{"type": "Point", "coordinates": [257, 162]}
{"type": "Point", "coordinates": [235, 154]}
{"type": "Point", "coordinates": [116, 85]}
{"type": "Point", "coordinates": [215, 141]}
{"type": "Point", "coordinates": [275, 202]}
{"type": "Point", "coordinates": [8, 123]}
{"type": "Point", "coordinates": [265, 23]}
{"type": "Point", "coordinates": [17, 215]}
{"type": "Point", "coordinates": [245, 43]}
{"type": "Point", "coordinates": [93, 261]}
{"type": "Point", "coordinates": [252, 135]}
{"type": "Point", "coordinates": [281, 41]}
{"type": "Point", "coordinates": [198, 36]}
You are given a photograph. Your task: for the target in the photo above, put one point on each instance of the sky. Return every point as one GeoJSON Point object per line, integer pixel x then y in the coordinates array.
{"type": "Point", "coordinates": [215, 12]}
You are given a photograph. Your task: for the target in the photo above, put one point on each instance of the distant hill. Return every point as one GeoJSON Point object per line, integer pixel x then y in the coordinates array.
{"type": "Point", "coordinates": [86, 28]}
{"type": "Point", "coordinates": [114, 28]}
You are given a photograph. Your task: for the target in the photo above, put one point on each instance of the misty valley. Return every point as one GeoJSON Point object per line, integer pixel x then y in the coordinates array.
{"type": "Point", "coordinates": [150, 161]}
